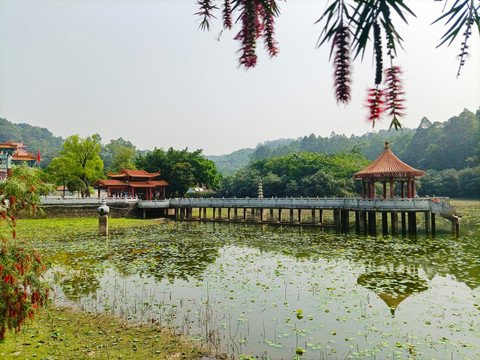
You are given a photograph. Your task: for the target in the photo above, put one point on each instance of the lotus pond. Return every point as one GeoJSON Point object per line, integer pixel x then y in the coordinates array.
{"type": "Point", "coordinates": [264, 292]}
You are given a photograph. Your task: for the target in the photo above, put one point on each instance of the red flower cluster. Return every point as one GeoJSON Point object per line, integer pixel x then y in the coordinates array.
{"type": "Point", "coordinates": [389, 99]}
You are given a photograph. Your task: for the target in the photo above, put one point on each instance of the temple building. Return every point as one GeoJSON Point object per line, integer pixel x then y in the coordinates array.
{"type": "Point", "coordinates": [14, 153]}
{"type": "Point", "coordinates": [388, 169]}
{"type": "Point", "coordinates": [133, 184]}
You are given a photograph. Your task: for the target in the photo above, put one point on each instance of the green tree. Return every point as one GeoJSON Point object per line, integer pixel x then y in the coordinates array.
{"type": "Point", "coordinates": [204, 170]}
{"type": "Point", "coordinates": [181, 179]}
{"type": "Point", "coordinates": [118, 154]}
{"type": "Point", "coordinates": [81, 158]}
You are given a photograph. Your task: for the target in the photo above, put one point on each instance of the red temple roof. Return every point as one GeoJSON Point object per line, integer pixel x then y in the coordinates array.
{"type": "Point", "coordinates": [133, 173]}
{"type": "Point", "coordinates": [388, 165]}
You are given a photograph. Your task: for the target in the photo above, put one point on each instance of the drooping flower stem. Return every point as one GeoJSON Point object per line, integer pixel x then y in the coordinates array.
{"type": "Point", "coordinates": [375, 104]}
{"type": "Point", "coordinates": [394, 96]}
{"type": "Point", "coordinates": [341, 63]}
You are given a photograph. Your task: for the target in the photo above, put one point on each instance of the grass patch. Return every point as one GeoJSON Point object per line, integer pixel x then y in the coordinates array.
{"type": "Point", "coordinates": [59, 333]}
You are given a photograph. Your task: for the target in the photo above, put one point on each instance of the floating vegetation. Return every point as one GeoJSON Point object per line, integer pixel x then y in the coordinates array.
{"type": "Point", "coordinates": [281, 293]}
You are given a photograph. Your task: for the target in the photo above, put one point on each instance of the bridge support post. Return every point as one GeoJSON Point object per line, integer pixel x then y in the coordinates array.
{"type": "Point", "coordinates": [204, 213]}
{"type": "Point", "coordinates": [189, 213]}
{"type": "Point", "coordinates": [244, 214]}
{"type": "Point", "coordinates": [384, 223]}
{"type": "Point", "coordinates": [412, 223]}
{"type": "Point", "coordinates": [320, 216]}
{"type": "Point", "coordinates": [345, 220]}
{"type": "Point", "coordinates": [279, 215]}
{"type": "Point", "coordinates": [456, 228]}
{"type": "Point", "coordinates": [291, 216]}
{"type": "Point", "coordinates": [427, 222]}
{"type": "Point", "coordinates": [357, 221]}
{"type": "Point", "coordinates": [313, 216]}
{"type": "Point", "coordinates": [394, 221]}
{"type": "Point", "coordinates": [336, 218]}
{"type": "Point", "coordinates": [219, 214]}
{"type": "Point", "coordinates": [372, 222]}
{"type": "Point", "coordinates": [362, 222]}
{"type": "Point", "coordinates": [404, 224]}
{"type": "Point", "coordinates": [176, 213]}
{"type": "Point", "coordinates": [214, 211]}
{"type": "Point", "coordinates": [433, 225]}
{"type": "Point", "coordinates": [272, 219]}
{"type": "Point", "coordinates": [300, 216]}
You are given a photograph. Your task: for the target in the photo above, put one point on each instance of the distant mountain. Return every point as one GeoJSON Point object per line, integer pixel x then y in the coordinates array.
{"type": "Point", "coordinates": [35, 138]}
{"type": "Point", "coordinates": [229, 163]}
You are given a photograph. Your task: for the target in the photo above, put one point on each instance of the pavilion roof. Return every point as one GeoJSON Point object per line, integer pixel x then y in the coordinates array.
{"type": "Point", "coordinates": [136, 184]}
{"type": "Point", "coordinates": [21, 154]}
{"type": "Point", "coordinates": [133, 173]}
{"type": "Point", "coordinates": [388, 165]}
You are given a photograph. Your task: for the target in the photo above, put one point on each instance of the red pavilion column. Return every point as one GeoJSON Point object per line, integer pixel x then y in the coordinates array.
{"type": "Point", "coordinates": [372, 189]}
{"type": "Point", "coordinates": [384, 189]}
{"type": "Point", "coordinates": [409, 186]}
{"type": "Point", "coordinates": [392, 188]}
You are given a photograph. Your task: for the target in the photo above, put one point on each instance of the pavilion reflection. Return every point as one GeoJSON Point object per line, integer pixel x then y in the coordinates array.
{"type": "Point", "coordinates": [393, 286]}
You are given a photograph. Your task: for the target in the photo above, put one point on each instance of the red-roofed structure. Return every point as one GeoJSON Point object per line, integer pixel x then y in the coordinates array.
{"type": "Point", "coordinates": [133, 183]}
{"type": "Point", "coordinates": [387, 168]}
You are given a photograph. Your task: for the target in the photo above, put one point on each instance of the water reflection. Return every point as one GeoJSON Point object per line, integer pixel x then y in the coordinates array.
{"type": "Point", "coordinates": [393, 286]}
{"type": "Point", "coordinates": [248, 283]}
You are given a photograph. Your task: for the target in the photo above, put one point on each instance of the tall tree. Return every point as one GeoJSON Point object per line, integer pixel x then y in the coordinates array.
{"type": "Point", "coordinates": [81, 157]}
{"type": "Point", "coordinates": [118, 154]}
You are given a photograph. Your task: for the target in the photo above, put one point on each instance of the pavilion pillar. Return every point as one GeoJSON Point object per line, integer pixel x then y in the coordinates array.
{"type": "Point", "coordinates": [392, 188]}
{"type": "Point", "coordinates": [409, 186]}
{"type": "Point", "coordinates": [384, 189]}
{"type": "Point", "coordinates": [402, 186]}
{"type": "Point", "coordinates": [364, 193]}
{"type": "Point", "coordinates": [372, 189]}
{"type": "Point", "coordinates": [414, 192]}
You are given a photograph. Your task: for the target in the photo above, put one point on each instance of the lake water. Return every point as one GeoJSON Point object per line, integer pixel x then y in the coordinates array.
{"type": "Point", "coordinates": [271, 292]}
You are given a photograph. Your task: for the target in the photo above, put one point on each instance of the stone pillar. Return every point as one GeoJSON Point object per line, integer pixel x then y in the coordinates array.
{"type": "Point", "coordinates": [320, 216]}
{"type": "Point", "coordinates": [271, 215]}
{"type": "Point", "coordinates": [228, 213]}
{"type": "Point", "coordinates": [219, 213]}
{"type": "Point", "coordinates": [345, 220]}
{"type": "Point", "coordinates": [214, 211]}
{"type": "Point", "coordinates": [372, 222]}
{"type": "Point", "coordinates": [433, 225]}
{"type": "Point", "coordinates": [394, 221]}
{"type": "Point", "coordinates": [235, 213]}
{"type": "Point", "coordinates": [336, 218]}
{"type": "Point", "coordinates": [280, 215]}
{"type": "Point", "coordinates": [291, 216]}
{"type": "Point", "coordinates": [313, 216]}
{"type": "Point", "coordinates": [362, 222]}
{"type": "Point", "coordinates": [412, 223]}
{"type": "Point", "coordinates": [384, 223]}
{"type": "Point", "coordinates": [244, 214]}
{"type": "Point", "coordinates": [103, 225]}
{"type": "Point", "coordinates": [300, 216]}
{"type": "Point", "coordinates": [404, 224]}
{"type": "Point", "coordinates": [427, 222]}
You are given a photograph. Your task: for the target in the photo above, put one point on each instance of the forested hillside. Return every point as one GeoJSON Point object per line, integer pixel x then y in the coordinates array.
{"type": "Point", "coordinates": [453, 144]}
{"type": "Point", "coordinates": [34, 137]}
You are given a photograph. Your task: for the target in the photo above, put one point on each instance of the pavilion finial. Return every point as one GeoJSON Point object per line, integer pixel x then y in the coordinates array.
{"type": "Point", "coordinates": [386, 144]}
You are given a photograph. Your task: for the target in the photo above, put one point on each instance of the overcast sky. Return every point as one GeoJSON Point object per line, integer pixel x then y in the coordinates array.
{"type": "Point", "coordinates": [141, 70]}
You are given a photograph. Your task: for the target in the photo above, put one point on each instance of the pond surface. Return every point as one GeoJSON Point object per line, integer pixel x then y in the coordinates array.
{"type": "Point", "coordinates": [284, 293]}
